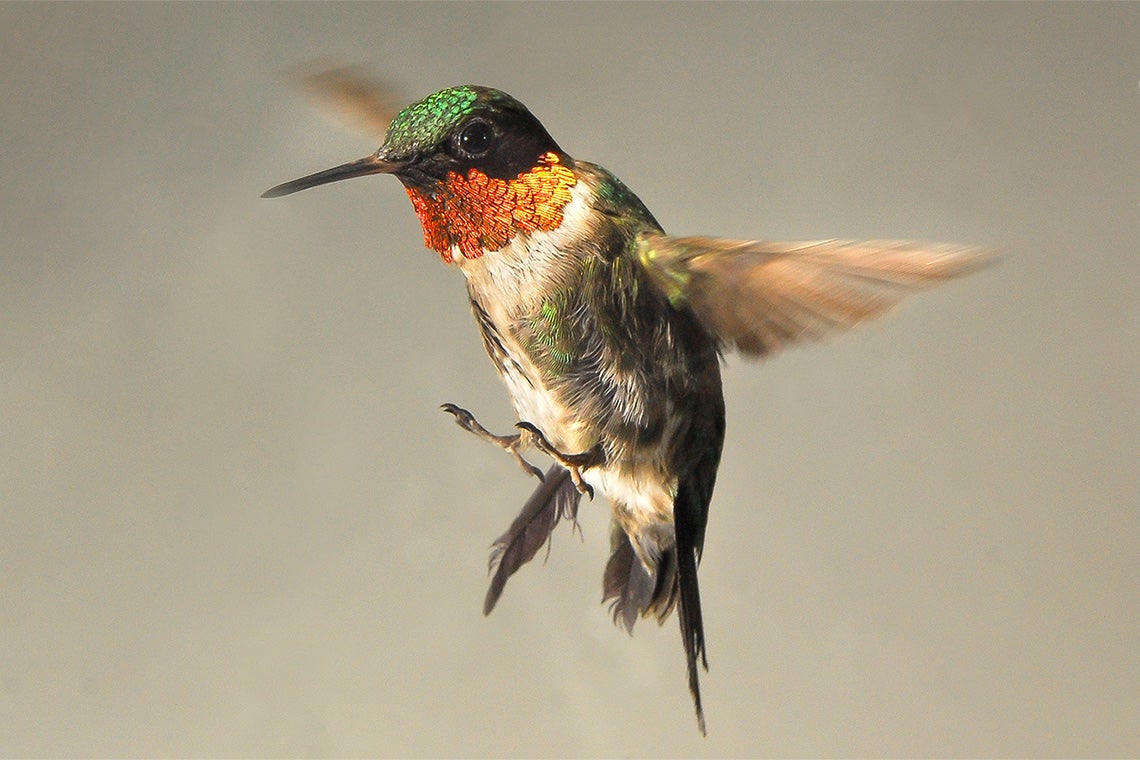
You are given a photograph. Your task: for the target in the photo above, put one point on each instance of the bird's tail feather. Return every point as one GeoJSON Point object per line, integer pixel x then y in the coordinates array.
{"type": "Point", "coordinates": [669, 580]}
{"type": "Point", "coordinates": [634, 589]}
{"type": "Point", "coordinates": [692, 626]}
{"type": "Point", "coordinates": [556, 498]}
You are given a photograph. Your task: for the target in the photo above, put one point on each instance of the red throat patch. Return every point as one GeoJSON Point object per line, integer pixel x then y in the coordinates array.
{"type": "Point", "coordinates": [478, 213]}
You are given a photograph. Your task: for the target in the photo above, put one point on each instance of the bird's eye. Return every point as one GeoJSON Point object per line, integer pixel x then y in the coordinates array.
{"type": "Point", "coordinates": [475, 139]}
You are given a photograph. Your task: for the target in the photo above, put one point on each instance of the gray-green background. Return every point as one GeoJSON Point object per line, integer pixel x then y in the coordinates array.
{"type": "Point", "coordinates": [234, 522]}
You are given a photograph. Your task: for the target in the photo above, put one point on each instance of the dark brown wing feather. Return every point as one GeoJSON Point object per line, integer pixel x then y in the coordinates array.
{"type": "Point", "coordinates": [359, 102]}
{"type": "Point", "coordinates": [760, 296]}
{"type": "Point", "coordinates": [554, 499]}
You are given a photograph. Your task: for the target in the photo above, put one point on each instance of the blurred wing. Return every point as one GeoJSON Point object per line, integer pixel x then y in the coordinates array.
{"type": "Point", "coordinates": [362, 104]}
{"type": "Point", "coordinates": [760, 296]}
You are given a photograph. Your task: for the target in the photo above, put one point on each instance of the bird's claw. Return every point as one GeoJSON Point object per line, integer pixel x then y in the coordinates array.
{"type": "Point", "coordinates": [575, 463]}
{"type": "Point", "coordinates": [527, 466]}
{"type": "Point", "coordinates": [510, 443]}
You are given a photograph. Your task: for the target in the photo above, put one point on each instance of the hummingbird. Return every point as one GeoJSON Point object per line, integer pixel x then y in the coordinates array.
{"type": "Point", "coordinates": [609, 334]}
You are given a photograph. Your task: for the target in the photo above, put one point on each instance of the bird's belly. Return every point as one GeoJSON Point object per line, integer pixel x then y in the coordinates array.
{"type": "Point", "coordinates": [536, 403]}
{"type": "Point", "coordinates": [633, 479]}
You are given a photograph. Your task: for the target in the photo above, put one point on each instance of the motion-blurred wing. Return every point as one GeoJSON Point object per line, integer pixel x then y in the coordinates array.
{"type": "Point", "coordinates": [760, 296]}
{"type": "Point", "coordinates": [362, 104]}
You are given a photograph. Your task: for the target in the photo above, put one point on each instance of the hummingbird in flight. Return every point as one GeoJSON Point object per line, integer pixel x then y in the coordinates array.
{"type": "Point", "coordinates": [609, 333]}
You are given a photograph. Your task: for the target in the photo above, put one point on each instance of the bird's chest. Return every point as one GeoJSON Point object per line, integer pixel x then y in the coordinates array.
{"type": "Point", "coordinates": [517, 296]}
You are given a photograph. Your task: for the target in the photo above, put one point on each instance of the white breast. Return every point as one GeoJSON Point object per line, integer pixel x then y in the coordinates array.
{"type": "Point", "coordinates": [514, 281]}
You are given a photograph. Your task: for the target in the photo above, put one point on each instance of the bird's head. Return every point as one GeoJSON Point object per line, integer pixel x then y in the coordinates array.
{"type": "Point", "coordinates": [477, 165]}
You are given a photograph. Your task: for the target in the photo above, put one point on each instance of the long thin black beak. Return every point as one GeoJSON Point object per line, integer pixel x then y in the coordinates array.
{"type": "Point", "coordinates": [371, 165]}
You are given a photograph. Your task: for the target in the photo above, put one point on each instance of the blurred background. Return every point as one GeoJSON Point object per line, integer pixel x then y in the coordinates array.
{"type": "Point", "coordinates": [234, 522]}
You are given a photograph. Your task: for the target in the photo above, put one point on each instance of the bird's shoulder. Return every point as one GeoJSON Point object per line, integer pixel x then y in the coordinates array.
{"type": "Point", "coordinates": [612, 199]}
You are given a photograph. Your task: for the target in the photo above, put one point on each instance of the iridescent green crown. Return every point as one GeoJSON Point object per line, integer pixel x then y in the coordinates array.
{"type": "Point", "coordinates": [421, 126]}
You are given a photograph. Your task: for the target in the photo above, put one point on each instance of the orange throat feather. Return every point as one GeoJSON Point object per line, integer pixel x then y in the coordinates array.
{"type": "Point", "coordinates": [477, 213]}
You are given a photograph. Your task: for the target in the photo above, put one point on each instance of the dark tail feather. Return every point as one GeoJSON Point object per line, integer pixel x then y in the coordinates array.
{"type": "Point", "coordinates": [635, 589]}
{"type": "Point", "coordinates": [689, 540]}
{"type": "Point", "coordinates": [556, 498]}
{"type": "Point", "coordinates": [626, 581]}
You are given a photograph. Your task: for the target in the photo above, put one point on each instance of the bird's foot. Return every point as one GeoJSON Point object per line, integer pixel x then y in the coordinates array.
{"type": "Point", "coordinates": [513, 444]}
{"type": "Point", "coordinates": [575, 463]}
